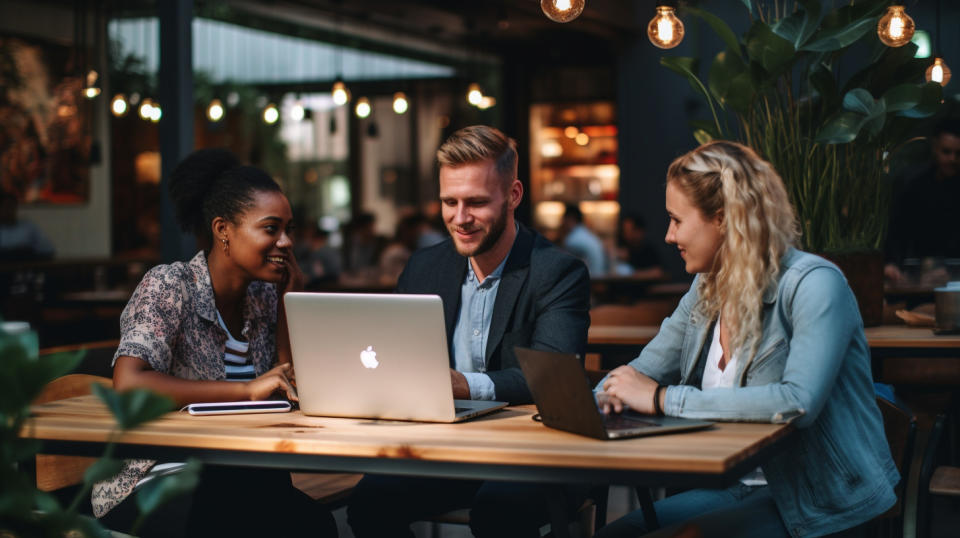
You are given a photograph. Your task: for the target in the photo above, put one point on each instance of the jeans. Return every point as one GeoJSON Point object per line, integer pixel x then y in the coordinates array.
{"type": "Point", "coordinates": [739, 510]}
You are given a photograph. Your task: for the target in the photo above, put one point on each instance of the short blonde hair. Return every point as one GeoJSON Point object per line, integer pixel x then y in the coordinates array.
{"type": "Point", "coordinates": [759, 223]}
{"type": "Point", "coordinates": [479, 143]}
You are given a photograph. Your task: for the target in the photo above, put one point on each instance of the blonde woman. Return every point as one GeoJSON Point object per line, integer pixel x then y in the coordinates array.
{"type": "Point", "coordinates": [767, 333]}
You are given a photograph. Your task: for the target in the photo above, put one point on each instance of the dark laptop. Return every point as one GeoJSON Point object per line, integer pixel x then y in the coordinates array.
{"type": "Point", "coordinates": [565, 400]}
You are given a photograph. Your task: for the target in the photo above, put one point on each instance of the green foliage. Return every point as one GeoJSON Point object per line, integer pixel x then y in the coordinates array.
{"type": "Point", "coordinates": [779, 90]}
{"type": "Point", "coordinates": [26, 511]}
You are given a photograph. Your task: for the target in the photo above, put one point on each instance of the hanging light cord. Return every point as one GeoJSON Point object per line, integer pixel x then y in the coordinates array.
{"type": "Point", "coordinates": [937, 51]}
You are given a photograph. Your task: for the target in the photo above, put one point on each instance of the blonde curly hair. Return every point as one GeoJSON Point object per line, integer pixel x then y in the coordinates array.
{"type": "Point", "coordinates": [729, 179]}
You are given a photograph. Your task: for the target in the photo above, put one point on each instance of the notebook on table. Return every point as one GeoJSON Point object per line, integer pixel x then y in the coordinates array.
{"type": "Point", "coordinates": [565, 400]}
{"type": "Point", "coordinates": [380, 356]}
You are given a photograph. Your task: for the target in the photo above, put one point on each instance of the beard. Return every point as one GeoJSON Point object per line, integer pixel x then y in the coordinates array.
{"type": "Point", "coordinates": [490, 239]}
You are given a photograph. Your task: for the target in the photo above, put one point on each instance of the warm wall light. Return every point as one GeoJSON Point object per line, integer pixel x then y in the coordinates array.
{"type": "Point", "coordinates": [570, 131]}
{"type": "Point", "coordinates": [582, 139]}
{"type": "Point", "coordinates": [118, 105]}
{"type": "Point", "coordinates": [400, 104]}
{"type": "Point", "coordinates": [562, 10]}
{"type": "Point", "coordinates": [271, 114]}
{"type": "Point", "coordinates": [896, 27]}
{"type": "Point", "coordinates": [363, 107]}
{"type": "Point", "coordinates": [474, 95]}
{"type": "Point", "coordinates": [938, 72]}
{"type": "Point", "coordinates": [665, 29]}
{"type": "Point", "coordinates": [340, 94]}
{"type": "Point", "coordinates": [215, 111]}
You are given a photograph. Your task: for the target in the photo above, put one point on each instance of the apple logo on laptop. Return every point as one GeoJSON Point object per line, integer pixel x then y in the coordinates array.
{"type": "Point", "coordinates": [369, 358]}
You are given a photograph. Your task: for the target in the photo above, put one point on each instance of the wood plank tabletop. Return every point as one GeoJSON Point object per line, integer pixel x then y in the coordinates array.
{"type": "Point", "coordinates": [509, 438]}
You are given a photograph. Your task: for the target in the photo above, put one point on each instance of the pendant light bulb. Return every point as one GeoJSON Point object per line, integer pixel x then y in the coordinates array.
{"type": "Point", "coordinates": [146, 109]}
{"type": "Point", "coordinates": [895, 28]}
{"type": "Point", "coordinates": [271, 114]}
{"type": "Point", "coordinates": [474, 95]}
{"type": "Point", "coordinates": [665, 29]}
{"type": "Point", "coordinates": [340, 94]}
{"type": "Point", "coordinates": [938, 72]}
{"type": "Point", "coordinates": [91, 90]}
{"type": "Point", "coordinates": [562, 10]}
{"type": "Point", "coordinates": [400, 103]}
{"type": "Point", "coordinates": [363, 107]}
{"type": "Point", "coordinates": [118, 105]}
{"type": "Point", "coordinates": [215, 111]}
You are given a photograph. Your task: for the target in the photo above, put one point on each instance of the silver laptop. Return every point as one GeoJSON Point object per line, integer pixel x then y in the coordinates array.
{"type": "Point", "coordinates": [380, 356]}
{"type": "Point", "coordinates": [565, 400]}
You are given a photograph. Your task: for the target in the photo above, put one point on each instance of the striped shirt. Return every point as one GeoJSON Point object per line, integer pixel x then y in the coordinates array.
{"type": "Point", "coordinates": [236, 361]}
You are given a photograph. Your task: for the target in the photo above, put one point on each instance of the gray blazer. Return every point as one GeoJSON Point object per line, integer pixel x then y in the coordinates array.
{"type": "Point", "coordinates": [543, 302]}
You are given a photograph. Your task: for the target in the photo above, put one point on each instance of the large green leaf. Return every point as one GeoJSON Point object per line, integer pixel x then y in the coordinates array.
{"type": "Point", "coordinates": [825, 85]}
{"type": "Point", "coordinates": [720, 27]}
{"type": "Point", "coordinates": [134, 407]}
{"type": "Point", "coordinates": [853, 12]}
{"type": "Point", "coordinates": [841, 128]}
{"type": "Point", "coordinates": [730, 81]}
{"type": "Point", "coordinates": [902, 97]}
{"type": "Point", "coordinates": [159, 490]}
{"type": "Point", "coordinates": [931, 96]}
{"type": "Point", "coordinates": [686, 67]}
{"type": "Point", "coordinates": [23, 377]}
{"type": "Point", "coordinates": [800, 25]}
{"type": "Point", "coordinates": [833, 39]}
{"type": "Point", "coordinates": [774, 53]}
{"type": "Point", "coordinates": [102, 469]}
{"type": "Point", "coordinates": [860, 100]}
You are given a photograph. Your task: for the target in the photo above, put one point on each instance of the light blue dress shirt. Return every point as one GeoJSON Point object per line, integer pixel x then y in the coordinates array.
{"type": "Point", "coordinates": [473, 326]}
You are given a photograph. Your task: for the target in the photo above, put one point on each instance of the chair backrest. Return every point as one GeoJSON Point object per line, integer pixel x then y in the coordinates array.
{"type": "Point", "coordinates": [900, 428]}
{"type": "Point", "coordinates": [927, 466]}
{"type": "Point", "coordinates": [641, 313]}
{"type": "Point", "coordinates": [97, 357]}
{"type": "Point", "coordinates": [55, 472]}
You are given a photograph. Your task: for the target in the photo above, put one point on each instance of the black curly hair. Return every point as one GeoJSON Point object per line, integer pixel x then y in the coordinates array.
{"type": "Point", "coordinates": [211, 183]}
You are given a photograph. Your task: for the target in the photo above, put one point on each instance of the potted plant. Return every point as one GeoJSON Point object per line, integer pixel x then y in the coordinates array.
{"type": "Point", "coordinates": [814, 91]}
{"type": "Point", "coordinates": [26, 511]}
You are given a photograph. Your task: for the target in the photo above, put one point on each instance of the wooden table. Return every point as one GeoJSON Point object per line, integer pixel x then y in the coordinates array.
{"type": "Point", "coordinates": [507, 445]}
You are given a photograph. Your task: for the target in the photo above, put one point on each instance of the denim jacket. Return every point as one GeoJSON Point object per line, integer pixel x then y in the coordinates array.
{"type": "Point", "coordinates": [812, 368]}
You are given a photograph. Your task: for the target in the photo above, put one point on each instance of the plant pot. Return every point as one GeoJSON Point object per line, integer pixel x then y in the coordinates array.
{"type": "Point", "coordinates": [864, 272]}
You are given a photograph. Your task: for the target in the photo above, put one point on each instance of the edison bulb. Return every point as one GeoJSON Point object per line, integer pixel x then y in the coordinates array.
{"type": "Point", "coordinates": [118, 105]}
{"type": "Point", "coordinates": [562, 10]}
{"type": "Point", "coordinates": [400, 103]}
{"type": "Point", "coordinates": [938, 72]}
{"type": "Point", "coordinates": [271, 114]}
{"type": "Point", "coordinates": [363, 107]}
{"type": "Point", "coordinates": [215, 111]}
{"type": "Point", "coordinates": [474, 95]}
{"type": "Point", "coordinates": [340, 95]}
{"type": "Point", "coordinates": [665, 29]}
{"type": "Point", "coordinates": [895, 28]}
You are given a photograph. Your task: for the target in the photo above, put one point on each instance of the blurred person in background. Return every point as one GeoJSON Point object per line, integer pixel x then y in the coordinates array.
{"type": "Point", "coordinates": [20, 240]}
{"type": "Point", "coordinates": [583, 243]}
{"type": "Point", "coordinates": [636, 256]}
{"type": "Point", "coordinates": [319, 261]}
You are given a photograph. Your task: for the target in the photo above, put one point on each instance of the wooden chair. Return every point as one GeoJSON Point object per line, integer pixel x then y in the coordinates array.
{"type": "Point", "coordinates": [900, 429]}
{"type": "Point", "coordinates": [96, 360]}
{"type": "Point", "coordinates": [647, 312]}
{"type": "Point", "coordinates": [934, 480]}
{"type": "Point", "coordinates": [330, 489]}
{"type": "Point", "coordinates": [56, 472]}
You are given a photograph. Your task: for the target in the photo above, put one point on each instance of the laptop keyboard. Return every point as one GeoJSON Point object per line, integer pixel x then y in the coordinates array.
{"type": "Point", "coordinates": [620, 422]}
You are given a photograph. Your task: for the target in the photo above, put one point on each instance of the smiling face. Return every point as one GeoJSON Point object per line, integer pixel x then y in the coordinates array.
{"type": "Point", "coordinates": [696, 236]}
{"type": "Point", "coordinates": [259, 241]}
{"type": "Point", "coordinates": [477, 209]}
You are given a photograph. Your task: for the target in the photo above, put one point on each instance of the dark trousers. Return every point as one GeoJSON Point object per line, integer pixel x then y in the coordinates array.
{"type": "Point", "coordinates": [232, 501]}
{"type": "Point", "coordinates": [387, 505]}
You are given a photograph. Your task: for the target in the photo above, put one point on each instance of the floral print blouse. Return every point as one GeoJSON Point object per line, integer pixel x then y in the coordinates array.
{"type": "Point", "coordinates": [171, 322]}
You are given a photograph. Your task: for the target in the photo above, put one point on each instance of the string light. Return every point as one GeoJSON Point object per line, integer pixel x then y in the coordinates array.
{"type": "Point", "coordinates": [91, 90]}
{"type": "Point", "coordinates": [340, 94]}
{"type": "Point", "coordinates": [400, 103]}
{"type": "Point", "coordinates": [118, 105]}
{"type": "Point", "coordinates": [215, 111]}
{"type": "Point", "coordinates": [474, 95]}
{"type": "Point", "coordinates": [271, 114]}
{"type": "Point", "coordinates": [665, 29]}
{"type": "Point", "coordinates": [896, 27]}
{"type": "Point", "coordinates": [363, 107]}
{"type": "Point", "coordinates": [155, 113]}
{"type": "Point", "coordinates": [146, 109]}
{"type": "Point", "coordinates": [562, 10]}
{"type": "Point", "coordinates": [938, 72]}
